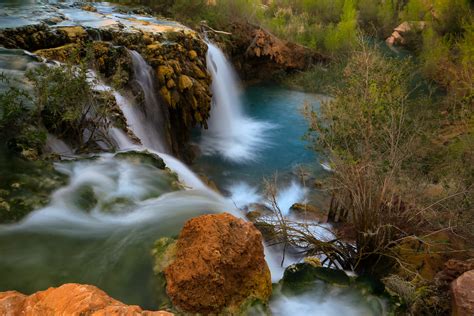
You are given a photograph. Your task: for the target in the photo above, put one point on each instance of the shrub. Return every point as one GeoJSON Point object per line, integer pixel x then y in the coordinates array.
{"type": "Point", "coordinates": [68, 105]}
{"type": "Point", "coordinates": [19, 129]}
{"type": "Point", "coordinates": [415, 10]}
{"type": "Point", "coordinates": [368, 135]}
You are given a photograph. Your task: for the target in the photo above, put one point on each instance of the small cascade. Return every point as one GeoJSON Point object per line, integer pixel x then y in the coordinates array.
{"type": "Point", "coordinates": [54, 144]}
{"type": "Point", "coordinates": [142, 130]}
{"type": "Point", "coordinates": [153, 131]}
{"type": "Point", "coordinates": [231, 134]}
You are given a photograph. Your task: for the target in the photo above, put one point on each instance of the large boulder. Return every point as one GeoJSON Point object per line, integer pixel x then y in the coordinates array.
{"type": "Point", "coordinates": [68, 299]}
{"type": "Point", "coordinates": [218, 266]}
{"type": "Point", "coordinates": [462, 290]}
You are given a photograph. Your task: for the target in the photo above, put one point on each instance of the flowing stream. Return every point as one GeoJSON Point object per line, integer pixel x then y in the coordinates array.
{"type": "Point", "coordinates": [100, 227]}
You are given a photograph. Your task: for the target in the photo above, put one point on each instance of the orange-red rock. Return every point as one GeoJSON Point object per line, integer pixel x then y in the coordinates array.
{"type": "Point", "coordinates": [68, 299]}
{"type": "Point", "coordinates": [462, 290]}
{"type": "Point", "coordinates": [219, 266]}
{"type": "Point", "coordinates": [258, 54]}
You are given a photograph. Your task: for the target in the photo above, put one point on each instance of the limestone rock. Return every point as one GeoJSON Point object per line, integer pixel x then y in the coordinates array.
{"type": "Point", "coordinates": [74, 33]}
{"type": "Point", "coordinates": [185, 82]}
{"type": "Point", "coordinates": [258, 54]}
{"type": "Point", "coordinates": [303, 275]}
{"type": "Point", "coordinates": [307, 211]}
{"type": "Point", "coordinates": [192, 54]}
{"type": "Point", "coordinates": [89, 7]}
{"type": "Point", "coordinates": [164, 73]}
{"type": "Point", "coordinates": [219, 266]}
{"type": "Point", "coordinates": [402, 32]}
{"type": "Point", "coordinates": [176, 53]}
{"type": "Point", "coordinates": [462, 290]}
{"type": "Point", "coordinates": [68, 299]}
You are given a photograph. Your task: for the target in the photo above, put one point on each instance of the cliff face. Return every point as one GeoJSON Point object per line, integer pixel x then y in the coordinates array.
{"type": "Point", "coordinates": [176, 53]}
{"type": "Point", "coordinates": [258, 54]}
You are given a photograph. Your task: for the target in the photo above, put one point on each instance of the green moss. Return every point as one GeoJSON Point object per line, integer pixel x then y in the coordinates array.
{"type": "Point", "coordinates": [163, 252]}
{"type": "Point", "coordinates": [25, 186]}
{"type": "Point", "coordinates": [303, 276]}
{"type": "Point", "coordinates": [85, 198]}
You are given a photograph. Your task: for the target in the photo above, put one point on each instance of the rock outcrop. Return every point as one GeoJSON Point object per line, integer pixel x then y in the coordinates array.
{"type": "Point", "coordinates": [257, 53]}
{"type": "Point", "coordinates": [216, 266]}
{"type": "Point", "coordinates": [404, 33]}
{"type": "Point", "coordinates": [462, 290]}
{"type": "Point", "coordinates": [68, 299]}
{"type": "Point", "coordinates": [175, 52]}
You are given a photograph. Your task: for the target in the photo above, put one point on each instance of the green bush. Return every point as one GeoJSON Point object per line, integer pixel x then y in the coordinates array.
{"type": "Point", "coordinates": [415, 10]}
{"type": "Point", "coordinates": [344, 35]}
{"type": "Point", "coordinates": [68, 105]}
{"type": "Point", "coordinates": [19, 127]}
{"type": "Point", "coordinates": [451, 15]}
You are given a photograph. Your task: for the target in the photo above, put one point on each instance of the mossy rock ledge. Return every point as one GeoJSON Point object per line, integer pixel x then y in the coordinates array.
{"type": "Point", "coordinates": [176, 53]}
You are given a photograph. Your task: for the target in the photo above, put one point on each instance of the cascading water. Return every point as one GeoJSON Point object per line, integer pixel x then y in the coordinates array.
{"type": "Point", "coordinates": [231, 134]}
{"type": "Point", "coordinates": [151, 118]}
{"type": "Point", "coordinates": [99, 227]}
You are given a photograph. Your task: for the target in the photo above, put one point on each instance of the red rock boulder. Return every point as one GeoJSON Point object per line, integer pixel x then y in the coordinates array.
{"type": "Point", "coordinates": [462, 290]}
{"type": "Point", "coordinates": [219, 266]}
{"type": "Point", "coordinates": [68, 299]}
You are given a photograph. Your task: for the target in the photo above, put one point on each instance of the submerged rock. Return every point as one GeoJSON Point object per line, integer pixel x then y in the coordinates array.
{"type": "Point", "coordinates": [218, 266]}
{"type": "Point", "coordinates": [309, 212]}
{"type": "Point", "coordinates": [301, 276]}
{"type": "Point", "coordinates": [68, 299]}
{"type": "Point", "coordinates": [142, 157]}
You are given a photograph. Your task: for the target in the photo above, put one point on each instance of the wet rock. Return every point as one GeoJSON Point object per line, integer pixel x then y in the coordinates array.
{"type": "Point", "coordinates": [219, 266]}
{"type": "Point", "coordinates": [256, 211]}
{"type": "Point", "coordinates": [164, 73]}
{"type": "Point", "coordinates": [176, 53]}
{"type": "Point", "coordinates": [65, 53]}
{"type": "Point", "coordinates": [68, 299]}
{"type": "Point", "coordinates": [143, 157]}
{"type": "Point", "coordinates": [89, 8]}
{"type": "Point", "coordinates": [462, 290]}
{"type": "Point", "coordinates": [192, 54]}
{"type": "Point", "coordinates": [302, 276]}
{"type": "Point", "coordinates": [74, 33]}
{"type": "Point", "coordinates": [307, 211]}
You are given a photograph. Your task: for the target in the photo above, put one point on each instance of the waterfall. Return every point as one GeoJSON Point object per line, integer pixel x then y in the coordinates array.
{"type": "Point", "coordinates": [54, 144]}
{"type": "Point", "coordinates": [231, 134]}
{"type": "Point", "coordinates": [142, 130]}
{"type": "Point", "coordinates": [151, 118]}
